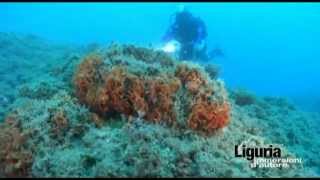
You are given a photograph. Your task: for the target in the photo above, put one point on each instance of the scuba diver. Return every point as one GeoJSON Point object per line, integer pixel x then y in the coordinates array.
{"type": "Point", "coordinates": [191, 33]}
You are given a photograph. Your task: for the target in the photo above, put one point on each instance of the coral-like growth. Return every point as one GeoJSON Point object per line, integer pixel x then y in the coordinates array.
{"type": "Point", "coordinates": [121, 92]}
{"type": "Point", "coordinates": [15, 159]}
{"type": "Point", "coordinates": [121, 82]}
{"type": "Point", "coordinates": [190, 77]}
{"type": "Point", "coordinates": [136, 95]}
{"type": "Point", "coordinates": [160, 101]}
{"type": "Point", "coordinates": [59, 123]}
{"type": "Point", "coordinates": [208, 116]}
{"type": "Point", "coordinates": [97, 120]}
{"type": "Point", "coordinates": [113, 94]}
{"type": "Point", "coordinates": [130, 95]}
{"type": "Point", "coordinates": [87, 77]}
{"type": "Point", "coordinates": [147, 55]}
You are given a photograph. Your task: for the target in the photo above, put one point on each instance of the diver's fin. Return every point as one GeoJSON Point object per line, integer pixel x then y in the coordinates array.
{"type": "Point", "coordinates": [181, 7]}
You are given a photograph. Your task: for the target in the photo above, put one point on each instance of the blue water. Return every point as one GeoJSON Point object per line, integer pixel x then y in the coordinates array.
{"type": "Point", "coordinates": [271, 48]}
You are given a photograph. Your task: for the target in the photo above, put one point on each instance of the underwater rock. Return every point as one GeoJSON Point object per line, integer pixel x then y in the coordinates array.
{"type": "Point", "coordinates": [140, 85]}
{"type": "Point", "coordinates": [59, 123]}
{"type": "Point", "coordinates": [280, 101]}
{"type": "Point", "coordinates": [118, 81]}
{"type": "Point", "coordinates": [43, 91]}
{"type": "Point", "coordinates": [135, 149]}
{"type": "Point", "coordinates": [243, 97]}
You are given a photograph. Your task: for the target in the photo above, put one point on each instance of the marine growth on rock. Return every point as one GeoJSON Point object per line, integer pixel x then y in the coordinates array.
{"type": "Point", "coordinates": [15, 158]}
{"type": "Point", "coordinates": [141, 82]}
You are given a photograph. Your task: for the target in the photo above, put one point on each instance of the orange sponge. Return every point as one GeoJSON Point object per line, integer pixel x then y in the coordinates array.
{"type": "Point", "coordinates": [115, 89]}
{"type": "Point", "coordinates": [190, 77]}
{"type": "Point", "coordinates": [208, 116]}
{"type": "Point", "coordinates": [160, 100]}
{"type": "Point", "coordinates": [15, 159]}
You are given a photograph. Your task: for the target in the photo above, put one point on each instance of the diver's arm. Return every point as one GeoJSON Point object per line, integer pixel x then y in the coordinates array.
{"type": "Point", "coordinates": [170, 33]}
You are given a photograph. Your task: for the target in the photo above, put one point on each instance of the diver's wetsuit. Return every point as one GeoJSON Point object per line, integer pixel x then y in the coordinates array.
{"type": "Point", "coordinates": [188, 31]}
